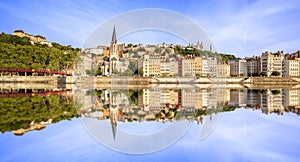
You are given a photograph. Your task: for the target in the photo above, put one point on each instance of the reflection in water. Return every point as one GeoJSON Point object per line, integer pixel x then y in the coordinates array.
{"type": "Point", "coordinates": [168, 105]}
{"type": "Point", "coordinates": [23, 110]}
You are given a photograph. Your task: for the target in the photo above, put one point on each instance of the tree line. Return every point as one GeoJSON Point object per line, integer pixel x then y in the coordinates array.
{"type": "Point", "coordinates": [17, 52]}
{"type": "Point", "coordinates": [19, 112]}
{"type": "Point", "coordinates": [196, 52]}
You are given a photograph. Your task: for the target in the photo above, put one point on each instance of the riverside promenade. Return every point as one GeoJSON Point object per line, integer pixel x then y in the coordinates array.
{"type": "Point", "coordinates": [126, 80]}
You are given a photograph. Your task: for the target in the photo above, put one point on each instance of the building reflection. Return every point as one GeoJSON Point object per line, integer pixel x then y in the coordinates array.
{"type": "Point", "coordinates": [119, 105]}
{"type": "Point", "coordinates": [167, 105]}
{"type": "Point", "coordinates": [145, 104]}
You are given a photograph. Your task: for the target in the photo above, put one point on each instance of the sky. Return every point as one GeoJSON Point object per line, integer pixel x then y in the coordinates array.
{"type": "Point", "coordinates": [239, 27]}
{"type": "Point", "coordinates": [241, 135]}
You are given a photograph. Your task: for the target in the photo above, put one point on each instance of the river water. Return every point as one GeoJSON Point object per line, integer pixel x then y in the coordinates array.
{"type": "Point", "coordinates": [156, 124]}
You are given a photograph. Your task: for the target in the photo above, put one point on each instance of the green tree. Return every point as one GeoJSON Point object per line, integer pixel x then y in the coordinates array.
{"type": "Point", "coordinates": [275, 92]}
{"type": "Point", "coordinates": [17, 52]}
{"type": "Point", "coordinates": [263, 73]}
{"type": "Point", "coordinates": [275, 73]}
{"type": "Point", "coordinates": [141, 72]}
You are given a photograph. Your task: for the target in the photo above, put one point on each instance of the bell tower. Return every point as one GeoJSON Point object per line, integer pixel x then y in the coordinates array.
{"type": "Point", "coordinates": [113, 53]}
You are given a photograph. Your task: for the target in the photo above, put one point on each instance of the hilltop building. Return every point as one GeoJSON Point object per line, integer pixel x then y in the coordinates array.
{"type": "Point", "coordinates": [32, 38]}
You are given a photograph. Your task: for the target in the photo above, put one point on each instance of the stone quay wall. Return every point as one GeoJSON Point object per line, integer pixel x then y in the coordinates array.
{"type": "Point", "coordinates": [123, 80]}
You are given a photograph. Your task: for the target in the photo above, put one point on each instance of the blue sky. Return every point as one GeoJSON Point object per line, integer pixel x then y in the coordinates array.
{"type": "Point", "coordinates": [241, 135]}
{"type": "Point", "coordinates": [240, 27]}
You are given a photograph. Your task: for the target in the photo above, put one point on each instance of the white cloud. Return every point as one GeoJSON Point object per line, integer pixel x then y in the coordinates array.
{"type": "Point", "coordinates": [251, 27]}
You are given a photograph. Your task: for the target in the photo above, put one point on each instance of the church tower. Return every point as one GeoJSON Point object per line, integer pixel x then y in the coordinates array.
{"type": "Point", "coordinates": [200, 46]}
{"type": "Point", "coordinates": [113, 53]}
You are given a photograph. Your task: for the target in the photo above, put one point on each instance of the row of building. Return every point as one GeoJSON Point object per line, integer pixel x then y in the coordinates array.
{"type": "Point", "coordinates": [191, 104]}
{"type": "Point", "coordinates": [190, 66]}
{"type": "Point", "coordinates": [268, 64]}
{"type": "Point", "coordinates": [153, 63]}
{"type": "Point", "coordinates": [153, 100]}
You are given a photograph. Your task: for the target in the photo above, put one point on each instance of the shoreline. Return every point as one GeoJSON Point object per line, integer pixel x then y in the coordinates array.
{"type": "Point", "coordinates": [135, 80]}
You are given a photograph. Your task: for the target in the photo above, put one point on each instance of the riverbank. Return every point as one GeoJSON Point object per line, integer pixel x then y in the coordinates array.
{"type": "Point", "coordinates": [123, 80]}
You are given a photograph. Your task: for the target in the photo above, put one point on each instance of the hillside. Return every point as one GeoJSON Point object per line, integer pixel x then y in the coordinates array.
{"type": "Point", "coordinates": [17, 52]}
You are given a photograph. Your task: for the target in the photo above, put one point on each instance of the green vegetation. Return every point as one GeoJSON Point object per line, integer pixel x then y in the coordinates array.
{"type": "Point", "coordinates": [275, 92]}
{"type": "Point", "coordinates": [133, 95]}
{"type": "Point", "coordinates": [275, 73]}
{"type": "Point", "coordinates": [193, 51]}
{"type": "Point", "coordinates": [141, 72]}
{"type": "Point", "coordinates": [263, 92]}
{"type": "Point", "coordinates": [17, 52]}
{"type": "Point", "coordinates": [263, 73]}
{"type": "Point", "coordinates": [93, 72]}
{"type": "Point", "coordinates": [19, 112]}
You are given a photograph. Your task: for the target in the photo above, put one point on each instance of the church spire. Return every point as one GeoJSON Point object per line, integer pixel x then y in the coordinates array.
{"type": "Point", "coordinates": [114, 36]}
{"type": "Point", "coordinates": [114, 129]}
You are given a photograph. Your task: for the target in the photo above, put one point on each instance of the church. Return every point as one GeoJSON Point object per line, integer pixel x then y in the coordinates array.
{"type": "Point", "coordinates": [109, 65]}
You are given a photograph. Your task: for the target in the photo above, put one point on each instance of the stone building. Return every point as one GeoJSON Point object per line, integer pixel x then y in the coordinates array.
{"type": "Point", "coordinates": [272, 62]}
{"type": "Point", "coordinates": [238, 68]}
{"type": "Point", "coordinates": [290, 67]}
{"type": "Point", "coordinates": [253, 66]}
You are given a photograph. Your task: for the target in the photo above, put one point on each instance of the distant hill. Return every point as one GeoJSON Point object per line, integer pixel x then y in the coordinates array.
{"type": "Point", "coordinates": [18, 52]}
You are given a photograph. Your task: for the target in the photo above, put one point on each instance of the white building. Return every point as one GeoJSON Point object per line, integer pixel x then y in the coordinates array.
{"type": "Point", "coordinates": [187, 67]}
{"type": "Point", "coordinates": [85, 64]}
{"type": "Point", "coordinates": [238, 67]}
{"type": "Point", "coordinates": [122, 65]}
{"type": "Point", "coordinates": [272, 62]}
{"type": "Point", "coordinates": [209, 66]}
{"type": "Point", "coordinates": [290, 68]}
{"type": "Point", "coordinates": [253, 66]}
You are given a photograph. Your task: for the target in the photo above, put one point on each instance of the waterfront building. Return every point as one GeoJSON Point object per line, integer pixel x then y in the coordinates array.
{"type": "Point", "coordinates": [143, 64]}
{"type": "Point", "coordinates": [238, 68]}
{"type": "Point", "coordinates": [223, 70]}
{"type": "Point", "coordinates": [165, 68]}
{"type": "Point", "coordinates": [209, 66]}
{"type": "Point", "coordinates": [154, 65]}
{"type": "Point", "coordinates": [187, 68]}
{"type": "Point", "coordinates": [173, 67]}
{"type": "Point", "coordinates": [272, 62]}
{"type": "Point", "coordinates": [122, 65]}
{"type": "Point", "coordinates": [198, 65]}
{"type": "Point", "coordinates": [85, 64]}
{"type": "Point", "coordinates": [290, 67]}
{"type": "Point", "coordinates": [191, 66]}
{"type": "Point", "coordinates": [253, 66]}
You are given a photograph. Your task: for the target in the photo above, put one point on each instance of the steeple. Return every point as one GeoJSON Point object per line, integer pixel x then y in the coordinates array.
{"type": "Point", "coordinates": [113, 115]}
{"type": "Point", "coordinates": [114, 129]}
{"type": "Point", "coordinates": [114, 36]}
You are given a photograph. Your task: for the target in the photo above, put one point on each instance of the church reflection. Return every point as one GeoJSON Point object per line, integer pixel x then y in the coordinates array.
{"type": "Point", "coordinates": [24, 110]}
{"type": "Point", "coordinates": [167, 105]}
